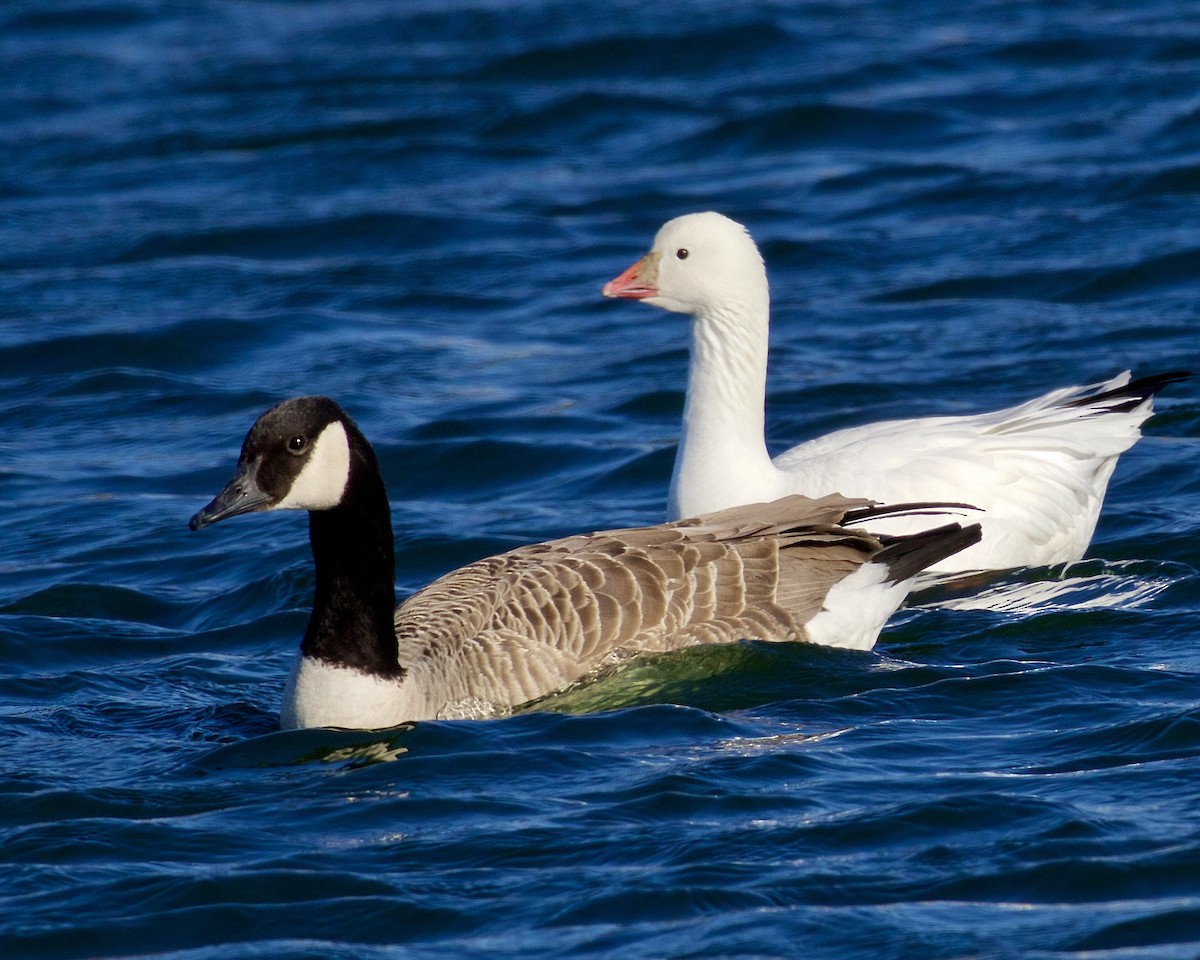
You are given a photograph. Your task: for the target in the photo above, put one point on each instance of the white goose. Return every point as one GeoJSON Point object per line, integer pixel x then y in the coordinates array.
{"type": "Point", "coordinates": [1038, 470]}
{"type": "Point", "coordinates": [515, 627]}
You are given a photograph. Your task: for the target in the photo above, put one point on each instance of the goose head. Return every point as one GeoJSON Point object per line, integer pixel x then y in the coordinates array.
{"type": "Point", "coordinates": [699, 264]}
{"type": "Point", "coordinates": [297, 456]}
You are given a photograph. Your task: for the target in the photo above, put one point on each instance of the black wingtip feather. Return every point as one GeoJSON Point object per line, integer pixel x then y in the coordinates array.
{"type": "Point", "coordinates": [1133, 394]}
{"type": "Point", "coordinates": [907, 556]}
{"type": "Point", "coordinates": [925, 509]}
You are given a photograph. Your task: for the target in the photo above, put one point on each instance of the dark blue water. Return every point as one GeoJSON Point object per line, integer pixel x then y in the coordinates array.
{"type": "Point", "coordinates": [207, 207]}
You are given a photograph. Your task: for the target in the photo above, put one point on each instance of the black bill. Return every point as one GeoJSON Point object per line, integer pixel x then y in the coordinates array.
{"type": "Point", "coordinates": [241, 495]}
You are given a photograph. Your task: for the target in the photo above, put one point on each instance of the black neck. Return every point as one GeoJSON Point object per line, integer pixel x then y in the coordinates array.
{"type": "Point", "coordinates": [354, 601]}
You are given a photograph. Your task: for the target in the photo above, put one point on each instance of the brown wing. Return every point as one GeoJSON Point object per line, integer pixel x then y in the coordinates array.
{"type": "Point", "coordinates": [522, 624]}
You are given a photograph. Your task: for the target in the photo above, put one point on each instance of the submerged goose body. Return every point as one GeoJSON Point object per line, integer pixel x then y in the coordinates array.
{"type": "Point", "coordinates": [1038, 471]}
{"type": "Point", "coordinates": [515, 627]}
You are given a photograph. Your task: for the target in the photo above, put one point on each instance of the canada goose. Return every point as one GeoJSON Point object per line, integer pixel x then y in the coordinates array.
{"type": "Point", "coordinates": [514, 627]}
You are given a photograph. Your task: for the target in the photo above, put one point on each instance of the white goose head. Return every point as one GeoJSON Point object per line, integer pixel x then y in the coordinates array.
{"type": "Point", "coordinates": [699, 264]}
{"type": "Point", "coordinates": [295, 457]}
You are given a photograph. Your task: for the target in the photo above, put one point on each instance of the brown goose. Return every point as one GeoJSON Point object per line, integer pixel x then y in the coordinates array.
{"type": "Point", "coordinates": [514, 627]}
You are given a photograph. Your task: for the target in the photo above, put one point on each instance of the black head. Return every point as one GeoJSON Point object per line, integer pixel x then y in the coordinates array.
{"type": "Point", "coordinates": [296, 457]}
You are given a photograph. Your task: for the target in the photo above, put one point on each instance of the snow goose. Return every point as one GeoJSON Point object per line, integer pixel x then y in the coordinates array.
{"type": "Point", "coordinates": [1038, 470]}
{"type": "Point", "coordinates": [509, 629]}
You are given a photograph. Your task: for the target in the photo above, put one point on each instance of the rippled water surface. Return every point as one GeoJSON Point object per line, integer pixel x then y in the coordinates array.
{"type": "Point", "coordinates": [207, 207]}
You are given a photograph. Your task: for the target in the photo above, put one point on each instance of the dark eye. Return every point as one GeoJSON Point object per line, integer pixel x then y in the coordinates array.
{"type": "Point", "coordinates": [297, 444]}
{"type": "Point", "coordinates": [682, 253]}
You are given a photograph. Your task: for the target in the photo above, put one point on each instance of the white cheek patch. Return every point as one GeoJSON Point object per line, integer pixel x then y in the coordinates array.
{"type": "Point", "coordinates": [320, 485]}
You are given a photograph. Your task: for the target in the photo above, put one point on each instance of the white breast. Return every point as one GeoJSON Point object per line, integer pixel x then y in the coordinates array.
{"type": "Point", "coordinates": [319, 694]}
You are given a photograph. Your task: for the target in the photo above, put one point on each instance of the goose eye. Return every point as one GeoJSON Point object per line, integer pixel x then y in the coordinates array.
{"type": "Point", "coordinates": [297, 444]}
{"type": "Point", "coordinates": [682, 253]}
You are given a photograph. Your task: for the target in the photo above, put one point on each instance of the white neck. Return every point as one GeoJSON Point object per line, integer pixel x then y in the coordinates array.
{"type": "Point", "coordinates": [722, 459]}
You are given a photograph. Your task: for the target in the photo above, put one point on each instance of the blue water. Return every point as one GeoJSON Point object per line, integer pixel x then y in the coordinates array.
{"type": "Point", "coordinates": [207, 207]}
